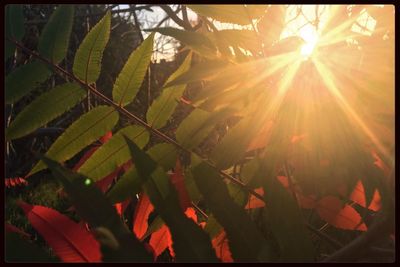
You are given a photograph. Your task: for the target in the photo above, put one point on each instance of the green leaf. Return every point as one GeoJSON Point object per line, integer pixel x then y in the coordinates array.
{"type": "Point", "coordinates": [54, 39]}
{"type": "Point", "coordinates": [197, 41]}
{"type": "Point", "coordinates": [213, 228]}
{"type": "Point", "coordinates": [156, 224]}
{"type": "Point", "coordinates": [190, 243]}
{"type": "Point", "coordinates": [45, 108]}
{"type": "Point", "coordinates": [245, 241]}
{"type": "Point", "coordinates": [130, 183]}
{"type": "Point", "coordinates": [14, 27]}
{"type": "Point", "coordinates": [87, 62]}
{"type": "Point", "coordinates": [234, 144]}
{"type": "Point", "coordinates": [197, 126]}
{"type": "Point", "coordinates": [164, 154]}
{"type": "Point", "coordinates": [131, 77]}
{"type": "Point", "coordinates": [246, 39]}
{"type": "Point", "coordinates": [18, 249]}
{"type": "Point", "coordinates": [93, 207]}
{"type": "Point", "coordinates": [24, 79]}
{"type": "Point", "coordinates": [163, 107]}
{"type": "Point", "coordinates": [201, 71]}
{"type": "Point", "coordinates": [113, 153]}
{"type": "Point", "coordinates": [286, 223]}
{"type": "Point", "coordinates": [84, 131]}
{"type": "Point", "coordinates": [237, 14]}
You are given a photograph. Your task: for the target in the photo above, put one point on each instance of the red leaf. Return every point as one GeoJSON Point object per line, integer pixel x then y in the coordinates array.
{"type": "Point", "coordinates": [178, 181]}
{"type": "Point", "coordinates": [358, 196]}
{"type": "Point", "coordinates": [160, 240]}
{"type": "Point", "coordinates": [330, 210]}
{"type": "Point", "coordinates": [85, 157]}
{"type": "Point", "coordinates": [15, 181]}
{"type": "Point", "coordinates": [12, 229]}
{"type": "Point", "coordinates": [255, 202]}
{"type": "Point", "coordinates": [380, 164]}
{"type": "Point", "coordinates": [104, 139]}
{"type": "Point", "coordinates": [221, 246]}
{"type": "Point", "coordinates": [122, 206]}
{"type": "Point", "coordinates": [88, 154]}
{"type": "Point", "coordinates": [142, 212]}
{"type": "Point", "coordinates": [105, 182]}
{"type": "Point", "coordinates": [191, 213]}
{"type": "Point", "coordinates": [70, 241]}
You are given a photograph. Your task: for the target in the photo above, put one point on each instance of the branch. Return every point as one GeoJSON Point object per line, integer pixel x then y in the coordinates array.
{"type": "Point", "coordinates": [131, 116]}
{"type": "Point", "coordinates": [175, 18]}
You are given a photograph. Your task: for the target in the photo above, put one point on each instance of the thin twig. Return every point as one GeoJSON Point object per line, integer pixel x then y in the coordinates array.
{"type": "Point", "coordinates": [167, 9]}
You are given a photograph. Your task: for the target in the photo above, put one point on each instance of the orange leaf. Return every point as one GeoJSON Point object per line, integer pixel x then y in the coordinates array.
{"type": "Point", "coordinates": [191, 213]}
{"type": "Point", "coordinates": [380, 164]}
{"type": "Point", "coordinates": [358, 196]}
{"type": "Point", "coordinates": [142, 212]}
{"type": "Point", "coordinates": [221, 247]}
{"type": "Point", "coordinates": [255, 202]}
{"type": "Point", "coordinates": [330, 210]}
{"type": "Point", "coordinates": [104, 139]}
{"type": "Point", "coordinates": [15, 181]}
{"type": "Point", "coordinates": [160, 240]}
{"type": "Point", "coordinates": [85, 157]}
{"type": "Point", "coordinates": [177, 180]}
{"type": "Point", "coordinates": [69, 240]}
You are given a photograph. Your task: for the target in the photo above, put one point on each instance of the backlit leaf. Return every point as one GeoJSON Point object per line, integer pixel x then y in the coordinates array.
{"type": "Point", "coordinates": [69, 240]}
{"type": "Point", "coordinates": [237, 14]}
{"type": "Point", "coordinates": [113, 153]}
{"type": "Point", "coordinates": [132, 74]}
{"type": "Point", "coordinates": [24, 79]}
{"type": "Point", "coordinates": [221, 246]}
{"type": "Point", "coordinates": [54, 39]}
{"type": "Point", "coordinates": [245, 241]}
{"type": "Point", "coordinates": [44, 109]}
{"type": "Point", "coordinates": [190, 243]}
{"type": "Point", "coordinates": [142, 212]}
{"type": "Point", "coordinates": [130, 183]}
{"type": "Point", "coordinates": [197, 126]}
{"type": "Point", "coordinates": [163, 106]}
{"type": "Point", "coordinates": [88, 57]}
{"type": "Point", "coordinates": [346, 217]}
{"type": "Point", "coordinates": [358, 196]}
{"type": "Point", "coordinates": [93, 207]}
{"type": "Point", "coordinates": [195, 40]}
{"type": "Point", "coordinates": [84, 131]}
{"type": "Point", "coordinates": [288, 231]}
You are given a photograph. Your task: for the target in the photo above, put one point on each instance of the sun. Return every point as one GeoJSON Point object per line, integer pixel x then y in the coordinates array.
{"type": "Point", "coordinates": [310, 37]}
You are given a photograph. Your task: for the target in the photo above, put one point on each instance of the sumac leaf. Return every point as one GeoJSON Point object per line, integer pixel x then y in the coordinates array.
{"type": "Point", "coordinates": [69, 241]}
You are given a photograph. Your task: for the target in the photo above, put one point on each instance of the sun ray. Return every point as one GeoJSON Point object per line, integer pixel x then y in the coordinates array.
{"type": "Point", "coordinates": [331, 83]}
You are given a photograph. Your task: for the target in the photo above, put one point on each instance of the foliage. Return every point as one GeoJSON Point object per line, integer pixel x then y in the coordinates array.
{"type": "Point", "coordinates": [246, 148]}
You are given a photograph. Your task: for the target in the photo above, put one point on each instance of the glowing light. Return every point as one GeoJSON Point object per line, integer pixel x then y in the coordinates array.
{"type": "Point", "coordinates": [88, 181]}
{"type": "Point", "coordinates": [310, 36]}
{"type": "Point", "coordinates": [307, 49]}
